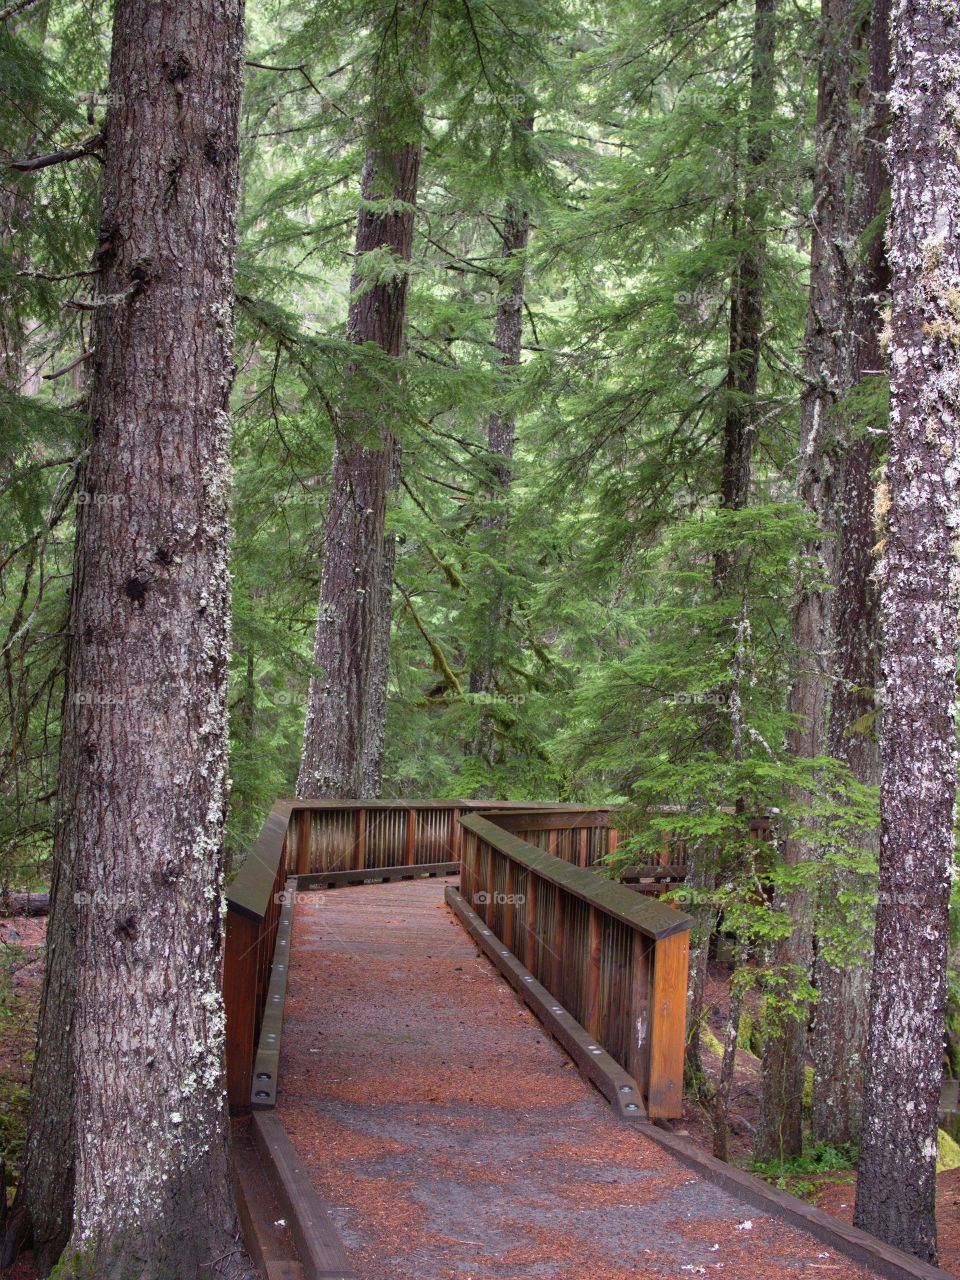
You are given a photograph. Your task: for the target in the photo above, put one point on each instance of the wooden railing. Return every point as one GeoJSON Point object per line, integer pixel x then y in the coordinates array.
{"type": "Point", "coordinates": [332, 842]}
{"type": "Point", "coordinates": [581, 836]}
{"type": "Point", "coordinates": [254, 900]}
{"type": "Point", "coordinates": [615, 960]}
{"type": "Point", "coordinates": [339, 840]}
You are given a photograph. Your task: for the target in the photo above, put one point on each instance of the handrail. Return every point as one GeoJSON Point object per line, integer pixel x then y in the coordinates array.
{"type": "Point", "coordinates": [253, 901]}
{"type": "Point", "coordinates": [338, 841]}
{"type": "Point", "coordinates": [653, 919]}
{"type": "Point", "coordinates": [616, 961]}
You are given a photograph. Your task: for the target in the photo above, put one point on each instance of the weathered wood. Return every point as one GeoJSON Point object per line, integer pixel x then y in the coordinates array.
{"type": "Point", "coordinates": [375, 875]}
{"type": "Point", "coordinates": [304, 826]}
{"type": "Point", "coordinates": [530, 939]}
{"type": "Point", "coordinates": [321, 1251]}
{"type": "Point", "coordinates": [638, 1061]}
{"type": "Point", "coordinates": [668, 1026]}
{"type": "Point", "coordinates": [25, 904]}
{"type": "Point", "coordinates": [360, 845]}
{"type": "Point", "coordinates": [411, 836]}
{"type": "Point", "coordinates": [509, 907]}
{"type": "Point", "coordinates": [592, 1019]}
{"type": "Point", "coordinates": [239, 985]}
{"type": "Point", "coordinates": [651, 918]}
{"type": "Point", "coordinates": [591, 1059]}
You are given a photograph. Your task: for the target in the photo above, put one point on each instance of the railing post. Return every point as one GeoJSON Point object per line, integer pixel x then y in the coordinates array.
{"type": "Point", "coordinates": [639, 1055]}
{"type": "Point", "coordinates": [509, 907]}
{"type": "Point", "coordinates": [240, 1004]}
{"type": "Point", "coordinates": [530, 946]}
{"type": "Point", "coordinates": [556, 943]}
{"type": "Point", "coordinates": [411, 835]}
{"type": "Point", "coordinates": [455, 836]}
{"type": "Point", "coordinates": [304, 825]}
{"type": "Point", "coordinates": [668, 1026]}
{"type": "Point", "coordinates": [491, 884]}
{"type": "Point", "coordinates": [360, 844]}
{"type": "Point", "coordinates": [595, 955]}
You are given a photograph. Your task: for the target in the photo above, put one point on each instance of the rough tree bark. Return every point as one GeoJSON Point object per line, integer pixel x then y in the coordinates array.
{"type": "Point", "coordinates": [826, 374]}
{"type": "Point", "coordinates": [840, 1028]}
{"type": "Point", "coordinates": [139, 842]}
{"type": "Point", "coordinates": [921, 588]}
{"type": "Point", "coordinates": [501, 436]}
{"type": "Point", "coordinates": [354, 593]}
{"type": "Point", "coordinates": [739, 430]}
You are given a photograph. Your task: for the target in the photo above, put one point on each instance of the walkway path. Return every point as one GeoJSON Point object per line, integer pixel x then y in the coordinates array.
{"type": "Point", "coordinates": [453, 1139]}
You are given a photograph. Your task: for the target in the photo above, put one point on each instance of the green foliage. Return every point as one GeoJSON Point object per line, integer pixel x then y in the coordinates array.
{"type": "Point", "coordinates": [808, 1175]}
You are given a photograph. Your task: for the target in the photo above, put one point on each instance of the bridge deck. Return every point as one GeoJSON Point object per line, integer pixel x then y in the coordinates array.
{"type": "Point", "coordinates": [452, 1138]}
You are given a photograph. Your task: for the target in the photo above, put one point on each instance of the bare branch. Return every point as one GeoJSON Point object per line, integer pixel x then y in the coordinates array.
{"type": "Point", "coordinates": [30, 164]}
{"type": "Point", "coordinates": [42, 275]}
{"type": "Point", "coordinates": [58, 373]}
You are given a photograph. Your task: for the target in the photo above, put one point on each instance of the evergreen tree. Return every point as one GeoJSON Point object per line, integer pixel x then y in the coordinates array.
{"type": "Point", "coordinates": [896, 1185]}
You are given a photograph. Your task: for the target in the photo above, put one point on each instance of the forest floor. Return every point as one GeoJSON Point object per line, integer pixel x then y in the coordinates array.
{"type": "Point", "coordinates": [831, 1189]}
{"type": "Point", "coordinates": [21, 977]}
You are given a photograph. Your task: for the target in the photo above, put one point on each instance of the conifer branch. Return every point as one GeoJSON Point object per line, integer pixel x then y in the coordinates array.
{"type": "Point", "coordinates": [439, 657]}
{"type": "Point", "coordinates": [12, 10]}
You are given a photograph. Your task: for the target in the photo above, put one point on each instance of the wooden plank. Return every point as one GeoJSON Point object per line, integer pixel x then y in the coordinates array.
{"type": "Point", "coordinates": [881, 1259]}
{"type": "Point", "coordinates": [591, 1058]}
{"type": "Point", "coordinates": [595, 941]}
{"type": "Point", "coordinates": [583, 847]}
{"type": "Point", "coordinates": [239, 1000]}
{"type": "Point", "coordinates": [250, 890]}
{"type": "Point", "coordinates": [270, 1246]}
{"type": "Point", "coordinates": [668, 1027]}
{"type": "Point", "coordinates": [455, 835]}
{"type": "Point", "coordinates": [644, 914]}
{"type": "Point", "coordinates": [321, 1250]}
{"type": "Point", "coordinates": [304, 829]}
{"type": "Point", "coordinates": [639, 1005]}
{"type": "Point", "coordinates": [491, 882]}
{"type": "Point", "coordinates": [561, 819]}
{"type": "Point", "coordinates": [360, 841]}
{"type": "Point", "coordinates": [266, 1065]}
{"type": "Point", "coordinates": [509, 907]}
{"type": "Point", "coordinates": [530, 940]}
{"type": "Point", "coordinates": [411, 836]}
{"type": "Point", "coordinates": [556, 939]}
{"type": "Point", "coordinates": [375, 875]}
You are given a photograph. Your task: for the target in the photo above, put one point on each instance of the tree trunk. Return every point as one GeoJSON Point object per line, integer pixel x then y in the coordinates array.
{"type": "Point", "coordinates": [16, 201]}
{"type": "Point", "coordinates": [375, 728]}
{"type": "Point", "coordinates": [139, 843]}
{"type": "Point", "coordinates": [353, 591]}
{"type": "Point", "coordinates": [780, 1122]}
{"type": "Point", "coordinates": [896, 1187]}
{"type": "Point", "coordinates": [840, 1029]}
{"type": "Point", "coordinates": [501, 436]}
{"type": "Point", "coordinates": [739, 429]}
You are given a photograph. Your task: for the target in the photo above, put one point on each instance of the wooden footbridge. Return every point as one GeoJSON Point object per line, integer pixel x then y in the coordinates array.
{"type": "Point", "coordinates": [401, 1112]}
